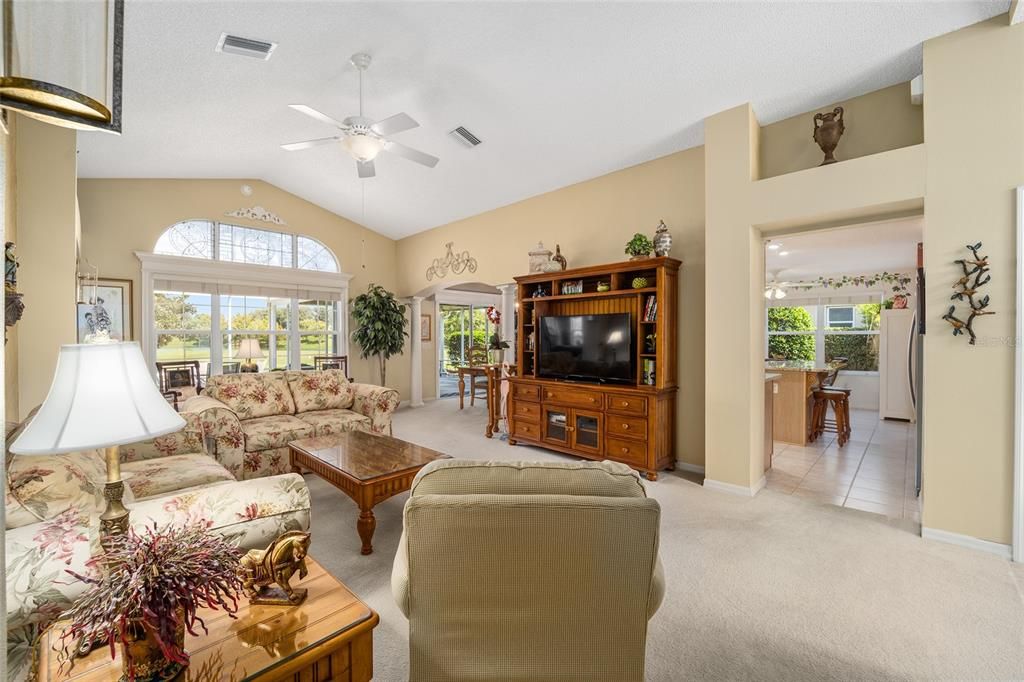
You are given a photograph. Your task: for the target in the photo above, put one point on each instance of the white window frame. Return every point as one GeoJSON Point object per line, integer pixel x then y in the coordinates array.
{"type": "Point", "coordinates": [215, 234]}
{"type": "Point", "coordinates": [205, 272]}
{"type": "Point", "coordinates": [850, 306]}
{"type": "Point", "coordinates": [821, 303]}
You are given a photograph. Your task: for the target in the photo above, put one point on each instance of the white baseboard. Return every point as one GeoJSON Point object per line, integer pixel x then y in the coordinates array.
{"type": "Point", "coordinates": [968, 541]}
{"type": "Point", "coordinates": [692, 468]}
{"type": "Point", "coordinates": [734, 489]}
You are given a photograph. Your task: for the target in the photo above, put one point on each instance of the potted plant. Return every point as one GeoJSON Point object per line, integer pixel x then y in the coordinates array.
{"type": "Point", "coordinates": [640, 246]}
{"type": "Point", "coordinates": [380, 325]}
{"type": "Point", "coordinates": [495, 344]}
{"type": "Point", "coordinates": [145, 592]}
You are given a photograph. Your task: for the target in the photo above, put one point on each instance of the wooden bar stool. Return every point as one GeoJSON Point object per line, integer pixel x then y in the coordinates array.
{"type": "Point", "coordinates": [839, 400]}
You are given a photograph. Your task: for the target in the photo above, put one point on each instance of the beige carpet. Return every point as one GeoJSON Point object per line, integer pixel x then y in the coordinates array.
{"type": "Point", "coordinates": [773, 587]}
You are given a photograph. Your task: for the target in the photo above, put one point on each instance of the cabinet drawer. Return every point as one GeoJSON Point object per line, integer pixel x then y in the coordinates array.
{"type": "Point", "coordinates": [527, 411]}
{"type": "Point", "coordinates": [627, 451]}
{"type": "Point", "coordinates": [562, 395]}
{"type": "Point", "coordinates": [526, 392]}
{"type": "Point", "coordinates": [526, 430]}
{"type": "Point", "coordinates": [630, 404]}
{"type": "Point", "coordinates": [631, 427]}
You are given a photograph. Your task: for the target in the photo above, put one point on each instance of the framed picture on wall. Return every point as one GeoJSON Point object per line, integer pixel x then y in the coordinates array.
{"type": "Point", "coordinates": [110, 309]}
{"type": "Point", "coordinates": [425, 320]}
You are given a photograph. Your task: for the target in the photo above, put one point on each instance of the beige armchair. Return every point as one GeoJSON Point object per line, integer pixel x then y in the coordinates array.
{"type": "Point", "coordinates": [528, 571]}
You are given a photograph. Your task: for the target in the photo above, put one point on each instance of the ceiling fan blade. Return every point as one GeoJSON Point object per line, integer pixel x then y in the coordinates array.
{"type": "Point", "coordinates": [412, 154]}
{"type": "Point", "coordinates": [295, 146]}
{"type": "Point", "coordinates": [394, 124]}
{"type": "Point", "coordinates": [310, 111]}
{"type": "Point", "coordinates": [366, 169]}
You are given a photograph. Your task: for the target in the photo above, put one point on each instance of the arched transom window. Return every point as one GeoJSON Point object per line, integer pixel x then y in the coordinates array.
{"type": "Point", "coordinates": [237, 244]}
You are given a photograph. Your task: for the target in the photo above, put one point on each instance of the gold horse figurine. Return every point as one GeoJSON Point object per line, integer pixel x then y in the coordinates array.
{"type": "Point", "coordinates": [275, 565]}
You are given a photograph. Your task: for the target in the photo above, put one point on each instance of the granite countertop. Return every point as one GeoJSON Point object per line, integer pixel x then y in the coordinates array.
{"type": "Point", "coordinates": [797, 366]}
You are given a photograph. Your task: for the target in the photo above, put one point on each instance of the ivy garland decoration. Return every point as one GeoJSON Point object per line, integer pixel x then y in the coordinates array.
{"type": "Point", "coordinates": [899, 282]}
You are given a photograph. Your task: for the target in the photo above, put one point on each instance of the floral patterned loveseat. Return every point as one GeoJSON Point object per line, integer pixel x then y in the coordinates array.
{"type": "Point", "coordinates": [253, 417]}
{"type": "Point", "coordinates": [53, 505]}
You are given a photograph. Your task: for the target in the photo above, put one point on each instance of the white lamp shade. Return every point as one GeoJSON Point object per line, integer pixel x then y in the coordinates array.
{"type": "Point", "coordinates": [249, 349]}
{"type": "Point", "coordinates": [102, 395]}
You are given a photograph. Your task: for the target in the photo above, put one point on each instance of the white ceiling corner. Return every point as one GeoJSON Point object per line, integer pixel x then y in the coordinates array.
{"type": "Point", "coordinates": [559, 92]}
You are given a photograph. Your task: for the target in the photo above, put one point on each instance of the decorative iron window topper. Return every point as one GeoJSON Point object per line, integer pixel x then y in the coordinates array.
{"type": "Point", "coordinates": [966, 288]}
{"type": "Point", "coordinates": [257, 213]}
{"type": "Point", "coordinates": [457, 263]}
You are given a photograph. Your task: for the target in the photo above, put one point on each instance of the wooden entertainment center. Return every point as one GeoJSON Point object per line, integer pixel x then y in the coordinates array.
{"type": "Point", "coordinates": [633, 423]}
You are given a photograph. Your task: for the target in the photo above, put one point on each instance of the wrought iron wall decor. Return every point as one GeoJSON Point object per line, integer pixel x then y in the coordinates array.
{"type": "Point", "coordinates": [966, 289]}
{"type": "Point", "coordinates": [257, 213]}
{"type": "Point", "coordinates": [456, 263]}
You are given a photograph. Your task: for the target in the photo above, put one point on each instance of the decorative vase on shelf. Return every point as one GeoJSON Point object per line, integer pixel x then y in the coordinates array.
{"type": "Point", "coordinates": [559, 258]}
{"type": "Point", "coordinates": [662, 240]}
{"type": "Point", "coordinates": [828, 128]}
{"type": "Point", "coordinates": [539, 256]}
{"type": "Point", "coordinates": [639, 282]}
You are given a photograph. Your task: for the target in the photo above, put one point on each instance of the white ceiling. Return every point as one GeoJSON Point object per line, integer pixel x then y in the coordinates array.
{"type": "Point", "coordinates": [559, 92]}
{"type": "Point", "coordinates": [889, 246]}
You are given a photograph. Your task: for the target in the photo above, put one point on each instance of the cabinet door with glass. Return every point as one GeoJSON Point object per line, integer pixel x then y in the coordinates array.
{"type": "Point", "coordinates": [557, 425]}
{"type": "Point", "coordinates": [587, 430]}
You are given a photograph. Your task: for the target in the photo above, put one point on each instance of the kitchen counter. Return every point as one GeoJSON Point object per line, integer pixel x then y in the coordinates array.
{"type": "Point", "coordinates": [798, 366]}
{"type": "Point", "coordinates": [791, 409]}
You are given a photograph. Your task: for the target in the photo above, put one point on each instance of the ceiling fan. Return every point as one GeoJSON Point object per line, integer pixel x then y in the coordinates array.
{"type": "Point", "coordinates": [775, 289]}
{"type": "Point", "coordinates": [361, 137]}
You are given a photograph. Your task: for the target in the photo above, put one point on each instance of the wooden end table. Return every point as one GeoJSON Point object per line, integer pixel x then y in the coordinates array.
{"type": "Point", "coordinates": [327, 637]}
{"type": "Point", "coordinates": [367, 467]}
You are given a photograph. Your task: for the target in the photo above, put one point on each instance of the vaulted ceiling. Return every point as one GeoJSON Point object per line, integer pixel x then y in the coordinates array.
{"type": "Point", "coordinates": [558, 92]}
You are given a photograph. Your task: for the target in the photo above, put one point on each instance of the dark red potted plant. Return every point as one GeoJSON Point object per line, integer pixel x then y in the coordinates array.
{"type": "Point", "coordinates": [145, 592]}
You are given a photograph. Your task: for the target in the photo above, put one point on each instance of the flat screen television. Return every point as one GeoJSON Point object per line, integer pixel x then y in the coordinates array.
{"type": "Point", "coordinates": [597, 348]}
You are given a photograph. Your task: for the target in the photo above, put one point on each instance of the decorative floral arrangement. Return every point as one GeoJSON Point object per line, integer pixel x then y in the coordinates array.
{"type": "Point", "coordinates": [494, 315]}
{"type": "Point", "coordinates": [150, 586]}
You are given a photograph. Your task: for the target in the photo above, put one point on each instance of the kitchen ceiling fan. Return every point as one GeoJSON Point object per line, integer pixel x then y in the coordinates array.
{"type": "Point", "coordinates": [773, 289]}
{"type": "Point", "coordinates": [361, 137]}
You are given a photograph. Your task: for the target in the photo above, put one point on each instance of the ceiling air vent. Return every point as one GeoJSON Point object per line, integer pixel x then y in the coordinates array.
{"type": "Point", "coordinates": [465, 137]}
{"type": "Point", "coordinates": [246, 47]}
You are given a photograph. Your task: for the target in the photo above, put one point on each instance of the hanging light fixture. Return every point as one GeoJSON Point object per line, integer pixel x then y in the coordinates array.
{"type": "Point", "coordinates": [62, 62]}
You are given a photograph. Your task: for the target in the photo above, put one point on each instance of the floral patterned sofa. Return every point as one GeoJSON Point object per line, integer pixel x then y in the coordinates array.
{"type": "Point", "coordinates": [53, 505]}
{"type": "Point", "coordinates": [253, 417]}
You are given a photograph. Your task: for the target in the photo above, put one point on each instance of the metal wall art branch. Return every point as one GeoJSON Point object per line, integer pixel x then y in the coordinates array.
{"type": "Point", "coordinates": [975, 276]}
{"type": "Point", "coordinates": [457, 263]}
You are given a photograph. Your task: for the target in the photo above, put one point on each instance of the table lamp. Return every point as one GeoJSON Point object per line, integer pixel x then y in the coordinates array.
{"type": "Point", "coordinates": [249, 349]}
{"type": "Point", "coordinates": [102, 396]}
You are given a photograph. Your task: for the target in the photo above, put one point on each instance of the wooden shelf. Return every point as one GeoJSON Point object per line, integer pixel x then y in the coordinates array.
{"type": "Point", "coordinates": [594, 294]}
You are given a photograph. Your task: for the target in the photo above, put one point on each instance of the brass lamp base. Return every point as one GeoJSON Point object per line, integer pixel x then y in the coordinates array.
{"type": "Point", "coordinates": [248, 367]}
{"type": "Point", "coordinates": [114, 519]}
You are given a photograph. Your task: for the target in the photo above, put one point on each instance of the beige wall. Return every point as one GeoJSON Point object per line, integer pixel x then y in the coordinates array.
{"type": "Point", "coordinates": [974, 119]}
{"type": "Point", "coordinates": [876, 122]}
{"type": "Point", "coordinates": [46, 169]}
{"type": "Point", "coordinates": [592, 221]}
{"type": "Point", "coordinates": [7, 145]}
{"type": "Point", "coordinates": [120, 217]}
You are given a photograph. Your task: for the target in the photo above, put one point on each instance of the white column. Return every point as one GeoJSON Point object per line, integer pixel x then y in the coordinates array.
{"type": "Point", "coordinates": [508, 323]}
{"type": "Point", "coordinates": [416, 380]}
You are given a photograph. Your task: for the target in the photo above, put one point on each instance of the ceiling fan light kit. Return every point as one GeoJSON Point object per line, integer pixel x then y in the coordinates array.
{"type": "Point", "coordinates": [361, 137]}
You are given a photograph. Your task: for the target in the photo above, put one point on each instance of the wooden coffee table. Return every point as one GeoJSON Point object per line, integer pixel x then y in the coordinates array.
{"type": "Point", "coordinates": [367, 467]}
{"type": "Point", "coordinates": [328, 636]}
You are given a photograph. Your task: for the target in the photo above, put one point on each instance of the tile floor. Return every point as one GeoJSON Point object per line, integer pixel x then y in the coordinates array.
{"type": "Point", "coordinates": [873, 472]}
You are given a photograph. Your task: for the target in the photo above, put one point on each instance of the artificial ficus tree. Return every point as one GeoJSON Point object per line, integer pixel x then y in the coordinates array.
{"type": "Point", "coordinates": [380, 325]}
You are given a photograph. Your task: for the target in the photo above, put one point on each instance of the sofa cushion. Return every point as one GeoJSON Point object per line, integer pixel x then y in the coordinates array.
{"type": "Point", "coordinates": [265, 433]}
{"type": "Point", "coordinates": [152, 477]}
{"type": "Point", "coordinates": [40, 488]}
{"type": "Point", "coordinates": [252, 395]}
{"type": "Point", "coordinates": [326, 389]}
{"type": "Point", "coordinates": [326, 422]}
